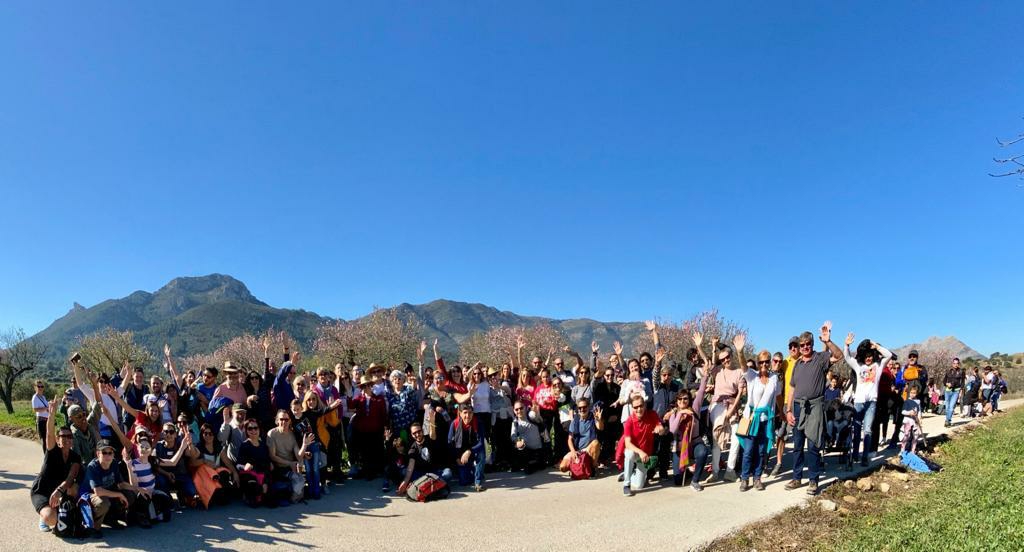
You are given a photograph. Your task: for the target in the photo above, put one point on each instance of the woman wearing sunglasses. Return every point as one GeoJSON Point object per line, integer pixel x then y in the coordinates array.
{"type": "Point", "coordinates": [762, 391]}
{"type": "Point", "coordinates": [254, 466]}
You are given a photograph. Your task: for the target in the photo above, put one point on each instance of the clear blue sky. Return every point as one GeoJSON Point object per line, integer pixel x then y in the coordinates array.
{"type": "Point", "coordinates": [784, 162]}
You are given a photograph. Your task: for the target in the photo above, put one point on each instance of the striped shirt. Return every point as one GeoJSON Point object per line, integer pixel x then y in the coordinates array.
{"type": "Point", "coordinates": [144, 474]}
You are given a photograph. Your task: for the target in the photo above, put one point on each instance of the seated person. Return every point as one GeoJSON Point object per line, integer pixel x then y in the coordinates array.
{"type": "Point", "coordinates": [466, 443]}
{"type": "Point", "coordinates": [254, 466]}
{"type": "Point", "coordinates": [173, 454]}
{"type": "Point", "coordinates": [395, 460]}
{"type": "Point", "coordinates": [105, 489]}
{"type": "Point", "coordinates": [58, 477]}
{"type": "Point", "coordinates": [528, 439]}
{"type": "Point", "coordinates": [287, 455]}
{"type": "Point", "coordinates": [424, 456]}
{"type": "Point", "coordinates": [583, 436]}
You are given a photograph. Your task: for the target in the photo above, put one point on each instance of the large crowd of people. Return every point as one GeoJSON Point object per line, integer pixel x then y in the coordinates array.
{"type": "Point", "coordinates": [121, 449]}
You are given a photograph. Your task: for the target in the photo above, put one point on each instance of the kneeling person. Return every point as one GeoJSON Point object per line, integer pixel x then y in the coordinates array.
{"type": "Point", "coordinates": [583, 436]}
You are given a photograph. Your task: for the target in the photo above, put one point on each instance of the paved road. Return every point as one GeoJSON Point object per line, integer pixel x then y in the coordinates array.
{"type": "Point", "coordinates": [542, 511]}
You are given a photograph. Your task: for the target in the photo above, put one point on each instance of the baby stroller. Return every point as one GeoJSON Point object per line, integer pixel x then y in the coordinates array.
{"type": "Point", "coordinates": [841, 434]}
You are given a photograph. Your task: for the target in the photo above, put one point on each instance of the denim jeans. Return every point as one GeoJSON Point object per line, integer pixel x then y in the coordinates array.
{"type": "Point", "coordinates": [474, 469]}
{"type": "Point", "coordinates": [700, 460]}
{"type": "Point", "coordinates": [313, 470]}
{"type": "Point", "coordinates": [951, 397]}
{"type": "Point", "coordinates": [863, 419]}
{"type": "Point", "coordinates": [754, 456]}
{"type": "Point", "coordinates": [814, 466]}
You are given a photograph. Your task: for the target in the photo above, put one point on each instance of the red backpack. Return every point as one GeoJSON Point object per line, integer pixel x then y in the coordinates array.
{"type": "Point", "coordinates": [582, 467]}
{"type": "Point", "coordinates": [427, 487]}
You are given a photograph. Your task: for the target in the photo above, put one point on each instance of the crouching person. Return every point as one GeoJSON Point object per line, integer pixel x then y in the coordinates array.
{"type": "Point", "coordinates": [528, 453]}
{"type": "Point", "coordinates": [583, 436]}
{"type": "Point", "coordinates": [638, 435]}
{"type": "Point", "coordinates": [287, 455]}
{"type": "Point", "coordinates": [59, 473]}
{"type": "Point", "coordinates": [466, 442]}
{"type": "Point", "coordinates": [424, 456]}
{"type": "Point", "coordinates": [106, 491]}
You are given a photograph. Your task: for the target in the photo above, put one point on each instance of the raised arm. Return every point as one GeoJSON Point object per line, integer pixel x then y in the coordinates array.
{"type": "Point", "coordinates": [594, 349]}
{"type": "Point", "coordinates": [739, 342]}
{"type": "Point", "coordinates": [826, 339]}
{"type": "Point", "coordinates": [419, 358]}
{"type": "Point", "coordinates": [175, 376]}
{"type": "Point", "coordinates": [51, 434]}
{"type": "Point", "coordinates": [886, 354]}
{"type": "Point", "coordinates": [579, 360]}
{"type": "Point", "coordinates": [653, 328]}
{"type": "Point", "coordinates": [520, 343]}
{"type": "Point", "coordinates": [116, 427]}
{"type": "Point", "coordinates": [124, 405]}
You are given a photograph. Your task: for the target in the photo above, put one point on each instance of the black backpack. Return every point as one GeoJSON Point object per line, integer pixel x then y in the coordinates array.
{"type": "Point", "coordinates": [69, 519]}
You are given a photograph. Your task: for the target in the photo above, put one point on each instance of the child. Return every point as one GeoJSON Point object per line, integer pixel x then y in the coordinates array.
{"type": "Point", "coordinates": [152, 504]}
{"type": "Point", "coordinates": [911, 430]}
{"type": "Point", "coordinates": [395, 462]}
{"type": "Point", "coordinates": [309, 423]}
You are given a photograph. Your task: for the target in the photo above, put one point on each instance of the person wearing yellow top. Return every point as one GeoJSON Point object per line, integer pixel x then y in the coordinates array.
{"type": "Point", "coordinates": [784, 428]}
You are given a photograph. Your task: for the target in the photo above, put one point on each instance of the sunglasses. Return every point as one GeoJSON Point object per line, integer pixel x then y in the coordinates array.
{"type": "Point", "coordinates": [808, 345]}
{"type": "Point", "coordinates": [252, 428]}
{"type": "Point", "coordinates": [107, 452]}
{"type": "Point", "coordinates": [763, 363]}
{"type": "Point", "coordinates": [171, 431]}
{"type": "Point", "coordinates": [776, 361]}
{"type": "Point", "coordinates": [64, 436]}
{"type": "Point", "coordinates": [279, 420]}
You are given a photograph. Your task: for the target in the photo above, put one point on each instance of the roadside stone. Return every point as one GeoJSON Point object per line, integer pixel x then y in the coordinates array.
{"type": "Point", "coordinates": [850, 499]}
{"type": "Point", "coordinates": [865, 484]}
{"type": "Point", "coordinates": [804, 505]}
{"type": "Point", "coordinates": [844, 510]}
{"type": "Point", "coordinates": [901, 477]}
{"type": "Point", "coordinates": [828, 505]}
{"type": "Point", "coordinates": [884, 487]}
{"type": "Point", "coordinates": [848, 484]}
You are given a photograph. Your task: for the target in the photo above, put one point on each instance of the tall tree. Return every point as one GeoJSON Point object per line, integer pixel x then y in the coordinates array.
{"type": "Point", "coordinates": [18, 356]}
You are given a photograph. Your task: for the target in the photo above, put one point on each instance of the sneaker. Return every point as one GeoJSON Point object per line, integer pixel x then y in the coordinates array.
{"type": "Point", "coordinates": [43, 526]}
{"type": "Point", "coordinates": [856, 458]}
{"type": "Point", "coordinates": [812, 488]}
{"type": "Point", "coordinates": [758, 485]}
{"type": "Point", "coordinates": [744, 486]}
{"type": "Point", "coordinates": [386, 487]}
{"type": "Point", "coordinates": [947, 424]}
{"type": "Point", "coordinates": [696, 486]}
{"type": "Point", "coordinates": [622, 477]}
{"type": "Point", "coordinates": [730, 475]}
{"type": "Point", "coordinates": [478, 488]}
{"type": "Point", "coordinates": [793, 484]}
{"type": "Point", "coordinates": [714, 477]}
{"type": "Point", "coordinates": [776, 470]}
{"type": "Point", "coordinates": [627, 491]}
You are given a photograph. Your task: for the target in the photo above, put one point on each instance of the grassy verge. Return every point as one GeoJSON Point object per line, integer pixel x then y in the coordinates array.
{"type": "Point", "coordinates": [20, 424]}
{"type": "Point", "coordinates": [975, 503]}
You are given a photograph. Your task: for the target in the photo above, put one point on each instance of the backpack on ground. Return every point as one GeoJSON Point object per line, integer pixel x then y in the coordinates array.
{"type": "Point", "coordinates": [582, 467]}
{"type": "Point", "coordinates": [426, 488]}
{"type": "Point", "coordinates": [69, 519]}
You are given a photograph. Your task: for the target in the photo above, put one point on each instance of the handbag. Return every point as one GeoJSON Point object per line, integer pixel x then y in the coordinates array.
{"type": "Point", "coordinates": [743, 428]}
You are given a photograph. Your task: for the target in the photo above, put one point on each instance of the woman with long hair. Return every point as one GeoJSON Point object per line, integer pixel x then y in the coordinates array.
{"type": "Point", "coordinates": [762, 391]}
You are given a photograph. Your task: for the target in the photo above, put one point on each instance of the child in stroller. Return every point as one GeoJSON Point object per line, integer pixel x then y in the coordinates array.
{"type": "Point", "coordinates": [840, 432]}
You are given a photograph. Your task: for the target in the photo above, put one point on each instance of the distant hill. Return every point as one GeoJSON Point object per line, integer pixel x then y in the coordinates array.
{"type": "Point", "coordinates": [198, 314]}
{"type": "Point", "coordinates": [452, 322]}
{"type": "Point", "coordinates": [951, 345]}
{"type": "Point", "coordinates": [192, 314]}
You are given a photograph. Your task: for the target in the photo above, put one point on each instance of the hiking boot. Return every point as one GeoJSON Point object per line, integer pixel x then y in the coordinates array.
{"type": "Point", "coordinates": [730, 475]}
{"type": "Point", "coordinates": [744, 486]}
{"type": "Point", "coordinates": [776, 470]}
{"type": "Point", "coordinates": [812, 488]}
{"type": "Point", "coordinates": [793, 484]}
{"type": "Point", "coordinates": [627, 491]}
{"type": "Point", "coordinates": [758, 485]}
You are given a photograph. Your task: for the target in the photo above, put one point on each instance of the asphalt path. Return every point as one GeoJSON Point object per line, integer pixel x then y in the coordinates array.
{"type": "Point", "coordinates": [543, 511]}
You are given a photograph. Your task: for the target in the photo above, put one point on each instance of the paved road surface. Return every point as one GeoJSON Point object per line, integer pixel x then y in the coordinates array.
{"type": "Point", "coordinates": [539, 512]}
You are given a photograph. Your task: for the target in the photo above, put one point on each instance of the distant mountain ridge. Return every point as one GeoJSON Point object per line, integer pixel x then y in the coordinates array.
{"type": "Point", "coordinates": [949, 344]}
{"type": "Point", "coordinates": [198, 314]}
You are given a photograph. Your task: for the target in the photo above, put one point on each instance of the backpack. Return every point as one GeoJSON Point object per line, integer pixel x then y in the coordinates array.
{"type": "Point", "coordinates": [69, 519]}
{"type": "Point", "coordinates": [426, 488]}
{"type": "Point", "coordinates": [1002, 386]}
{"type": "Point", "coordinates": [582, 468]}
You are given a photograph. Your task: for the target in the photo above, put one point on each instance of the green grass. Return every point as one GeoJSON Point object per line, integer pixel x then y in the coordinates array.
{"type": "Point", "coordinates": [976, 503]}
{"type": "Point", "coordinates": [22, 417]}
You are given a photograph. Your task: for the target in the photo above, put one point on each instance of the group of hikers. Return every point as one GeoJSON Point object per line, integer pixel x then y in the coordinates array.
{"type": "Point", "coordinates": [132, 450]}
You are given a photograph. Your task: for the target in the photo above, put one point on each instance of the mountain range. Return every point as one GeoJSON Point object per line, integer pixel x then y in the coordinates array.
{"type": "Point", "coordinates": [198, 314]}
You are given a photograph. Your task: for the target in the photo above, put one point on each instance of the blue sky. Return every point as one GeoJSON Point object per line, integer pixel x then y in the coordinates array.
{"type": "Point", "coordinates": [784, 162]}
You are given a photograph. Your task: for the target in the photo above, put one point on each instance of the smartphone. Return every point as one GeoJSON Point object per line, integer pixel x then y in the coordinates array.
{"type": "Point", "coordinates": [75, 357]}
